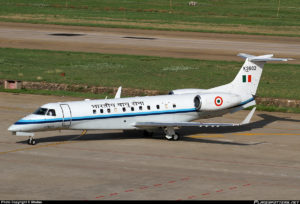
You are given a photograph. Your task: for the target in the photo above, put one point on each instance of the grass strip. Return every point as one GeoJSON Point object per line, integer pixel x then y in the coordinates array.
{"type": "Point", "coordinates": [226, 16]}
{"type": "Point", "coordinates": [279, 80]}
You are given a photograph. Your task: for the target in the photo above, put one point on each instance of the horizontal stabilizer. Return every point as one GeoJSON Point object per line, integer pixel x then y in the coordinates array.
{"type": "Point", "coordinates": [262, 58]}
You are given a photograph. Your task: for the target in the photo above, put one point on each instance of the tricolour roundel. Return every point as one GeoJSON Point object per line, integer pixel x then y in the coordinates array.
{"type": "Point", "coordinates": [218, 101]}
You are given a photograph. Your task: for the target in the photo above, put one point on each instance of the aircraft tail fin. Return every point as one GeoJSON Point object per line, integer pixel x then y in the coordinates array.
{"type": "Point", "coordinates": [247, 79]}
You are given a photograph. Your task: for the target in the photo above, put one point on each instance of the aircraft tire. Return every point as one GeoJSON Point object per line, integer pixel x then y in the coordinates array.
{"type": "Point", "coordinates": [176, 137]}
{"type": "Point", "coordinates": [33, 142]}
{"type": "Point", "coordinates": [169, 137]}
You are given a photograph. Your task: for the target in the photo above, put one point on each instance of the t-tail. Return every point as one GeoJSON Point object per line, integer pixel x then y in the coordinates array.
{"type": "Point", "coordinates": [246, 82]}
{"type": "Point", "coordinates": [248, 78]}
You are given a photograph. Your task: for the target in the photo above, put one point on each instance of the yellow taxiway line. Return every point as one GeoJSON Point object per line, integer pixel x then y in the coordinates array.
{"type": "Point", "coordinates": [206, 136]}
{"type": "Point", "coordinates": [237, 134]}
{"type": "Point", "coordinates": [254, 133]}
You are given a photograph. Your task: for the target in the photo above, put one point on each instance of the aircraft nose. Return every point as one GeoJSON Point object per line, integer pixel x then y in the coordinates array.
{"type": "Point", "coordinates": [13, 128]}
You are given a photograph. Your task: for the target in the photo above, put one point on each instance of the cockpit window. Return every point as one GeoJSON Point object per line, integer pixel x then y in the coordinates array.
{"type": "Point", "coordinates": [51, 112]}
{"type": "Point", "coordinates": [41, 111]}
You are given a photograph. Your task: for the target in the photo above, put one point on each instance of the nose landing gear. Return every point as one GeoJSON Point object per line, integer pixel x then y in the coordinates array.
{"type": "Point", "coordinates": [31, 141]}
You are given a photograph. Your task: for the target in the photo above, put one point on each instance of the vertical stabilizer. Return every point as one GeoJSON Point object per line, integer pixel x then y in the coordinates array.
{"type": "Point", "coordinates": [247, 80]}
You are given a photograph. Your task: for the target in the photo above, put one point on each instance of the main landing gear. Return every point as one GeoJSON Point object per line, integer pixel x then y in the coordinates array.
{"type": "Point", "coordinates": [171, 134]}
{"type": "Point", "coordinates": [31, 141]}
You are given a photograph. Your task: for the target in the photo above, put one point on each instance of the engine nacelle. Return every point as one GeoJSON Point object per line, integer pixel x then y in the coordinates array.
{"type": "Point", "coordinates": [185, 91]}
{"type": "Point", "coordinates": [216, 101]}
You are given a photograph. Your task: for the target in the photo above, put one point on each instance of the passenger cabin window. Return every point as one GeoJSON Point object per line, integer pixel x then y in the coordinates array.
{"type": "Point", "coordinates": [157, 106]}
{"type": "Point", "coordinates": [132, 108]}
{"type": "Point", "coordinates": [174, 105]}
{"type": "Point", "coordinates": [40, 111]}
{"type": "Point", "coordinates": [124, 109]}
{"type": "Point", "coordinates": [51, 112]}
{"type": "Point", "coordinates": [101, 110]}
{"type": "Point", "coordinates": [140, 107]}
{"type": "Point", "coordinates": [108, 110]}
{"type": "Point", "coordinates": [148, 107]}
{"type": "Point", "coordinates": [94, 111]}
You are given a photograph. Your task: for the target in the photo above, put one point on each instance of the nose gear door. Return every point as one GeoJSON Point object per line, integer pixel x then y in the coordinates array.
{"type": "Point", "coordinates": [67, 115]}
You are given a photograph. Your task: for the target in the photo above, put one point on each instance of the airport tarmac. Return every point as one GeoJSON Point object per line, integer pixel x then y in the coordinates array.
{"type": "Point", "coordinates": [258, 161]}
{"type": "Point", "coordinates": [208, 46]}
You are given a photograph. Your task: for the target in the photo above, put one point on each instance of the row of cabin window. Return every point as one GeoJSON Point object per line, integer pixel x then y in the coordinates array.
{"type": "Point", "coordinates": [132, 109]}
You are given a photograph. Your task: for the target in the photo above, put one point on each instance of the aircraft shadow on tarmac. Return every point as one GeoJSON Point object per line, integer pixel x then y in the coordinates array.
{"type": "Point", "coordinates": [266, 119]}
{"type": "Point", "coordinates": [184, 131]}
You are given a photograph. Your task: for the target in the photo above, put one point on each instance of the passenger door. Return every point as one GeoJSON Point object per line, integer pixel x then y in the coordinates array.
{"type": "Point", "coordinates": [67, 115]}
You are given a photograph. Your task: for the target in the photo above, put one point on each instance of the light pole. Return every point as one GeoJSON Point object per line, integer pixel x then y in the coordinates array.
{"type": "Point", "coordinates": [278, 8]}
{"type": "Point", "coordinates": [170, 7]}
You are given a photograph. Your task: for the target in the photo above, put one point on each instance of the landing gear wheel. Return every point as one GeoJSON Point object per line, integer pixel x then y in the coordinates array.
{"type": "Point", "coordinates": [169, 137]}
{"type": "Point", "coordinates": [170, 134]}
{"type": "Point", "coordinates": [31, 141]}
{"type": "Point", "coordinates": [176, 137]}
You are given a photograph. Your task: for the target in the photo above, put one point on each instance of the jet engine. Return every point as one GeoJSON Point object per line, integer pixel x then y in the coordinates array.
{"type": "Point", "coordinates": [216, 101]}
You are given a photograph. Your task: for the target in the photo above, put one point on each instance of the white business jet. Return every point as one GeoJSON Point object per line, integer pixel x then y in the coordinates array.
{"type": "Point", "coordinates": [150, 112]}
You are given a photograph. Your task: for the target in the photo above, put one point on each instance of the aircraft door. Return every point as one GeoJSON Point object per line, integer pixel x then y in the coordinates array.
{"type": "Point", "coordinates": [67, 115]}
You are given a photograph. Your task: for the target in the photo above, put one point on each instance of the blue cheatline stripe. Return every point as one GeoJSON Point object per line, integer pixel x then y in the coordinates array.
{"type": "Point", "coordinates": [41, 121]}
{"type": "Point", "coordinates": [23, 122]}
{"type": "Point", "coordinates": [245, 102]}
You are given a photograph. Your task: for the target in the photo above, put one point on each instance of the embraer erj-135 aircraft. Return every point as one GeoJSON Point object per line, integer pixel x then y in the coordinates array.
{"type": "Point", "coordinates": [149, 112]}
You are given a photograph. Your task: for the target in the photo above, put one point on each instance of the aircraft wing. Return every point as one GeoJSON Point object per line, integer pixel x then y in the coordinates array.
{"type": "Point", "coordinates": [194, 124]}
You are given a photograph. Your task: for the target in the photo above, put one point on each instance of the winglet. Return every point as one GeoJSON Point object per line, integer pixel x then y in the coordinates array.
{"type": "Point", "coordinates": [249, 116]}
{"type": "Point", "coordinates": [118, 94]}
